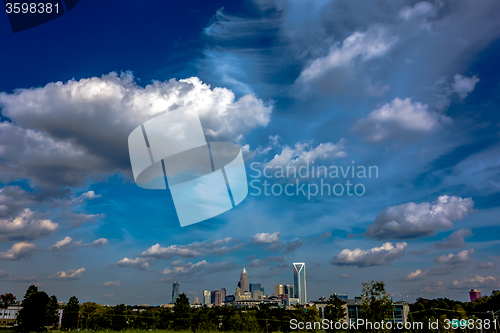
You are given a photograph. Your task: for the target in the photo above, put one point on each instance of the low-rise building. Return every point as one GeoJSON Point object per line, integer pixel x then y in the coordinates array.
{"type": "Point", "coordinates": [8, 316]}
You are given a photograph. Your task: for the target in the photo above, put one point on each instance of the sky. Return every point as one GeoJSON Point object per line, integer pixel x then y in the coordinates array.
{"type": "Point", "coordinates": [407, 88]}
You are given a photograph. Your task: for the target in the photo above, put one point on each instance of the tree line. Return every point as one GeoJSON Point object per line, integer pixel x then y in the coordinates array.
{"type": "Point", "coordinates": [40, 312]}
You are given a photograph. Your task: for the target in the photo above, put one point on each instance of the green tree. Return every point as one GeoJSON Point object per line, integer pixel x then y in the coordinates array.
{"type": "Point", "coordinates": [335, 310]}
{"type": "Point", "coordinates": [52, 316]}
{"type": "Point", "coordinates": [7, 300]}
{"type": "Point", "coordinates": [377, 304]}
{"type": "Point", "coordinates": [182, 313]}
{"type": "Point", "coordinates": [33, 315]}
{"type": "Point", "coordinates": [70, 314]}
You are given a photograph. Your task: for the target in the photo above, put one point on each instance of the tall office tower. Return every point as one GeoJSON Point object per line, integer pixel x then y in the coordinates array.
{"type": "Point", "coordinates": [206, 297]}
{"type": "Point", "coordinates": [289, 291]}
{"type": "Point", "coordinates": [213, 295]}
{"type": "Point", "coordinates": [219, 296]}
{"type": "Point", "coordinates": [254, 287]}
{"type": "Point", "coordinates": [474, 294]}
{"type": "Point", "coordinates": [299, 281]}
{"type": "Point", "coordinates": [223, 293]}
{"type": "Point", "coordinates": [175, 291]}
{"type": "Point", "coordinates": [279, 289]}
{"type": "Point", "coordinates": [243, 284]}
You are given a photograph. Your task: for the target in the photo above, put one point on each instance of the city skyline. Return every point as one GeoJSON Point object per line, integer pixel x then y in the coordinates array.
{"type": "Point", "coordinates": [369, 135]}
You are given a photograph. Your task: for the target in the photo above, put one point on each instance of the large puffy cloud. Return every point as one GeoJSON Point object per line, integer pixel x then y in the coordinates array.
{"type": "Point", "coordinates": [28, 225]}
{"type": "Point", "coordinates": [18, 251]}
{"type": "Point", "coordinates": [376, 256]}
{"type": "Point", "coordinates": [13, 200]}
{"type": "Point", "coordinates": [72, 274]}
{"type": "Point", "coordinates": [456, 239]}
{"type": "Point", "coordinates": [64, 133]}
{"type": "Point", "coordinates": [411, 220]}
{"type": "Point", "coordinates": [400, 120]}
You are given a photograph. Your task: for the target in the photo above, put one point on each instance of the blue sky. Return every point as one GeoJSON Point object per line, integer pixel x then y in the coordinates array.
{"type": "Point", "coordinates": [409, 87]}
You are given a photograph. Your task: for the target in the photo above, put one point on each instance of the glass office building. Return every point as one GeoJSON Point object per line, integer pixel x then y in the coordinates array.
{"type": "Point", "coordinates": [299, 281]}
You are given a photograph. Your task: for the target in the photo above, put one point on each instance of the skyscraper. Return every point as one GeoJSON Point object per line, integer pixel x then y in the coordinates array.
{"type": "Point", "coordinates": [175, 291]}
{"type": "Point", "coordinates": [299, 281]}
{"type": "Point", "coordinates": [206, 297]}
{"type": "Point", "coordinates": [243, 284]}
{"type": "Point", "coordinates": [254, 287]}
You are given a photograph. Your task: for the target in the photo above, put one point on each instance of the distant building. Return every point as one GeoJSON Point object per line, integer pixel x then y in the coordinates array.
{"type": "Point", "coordinates": [229, 299]}
{"type": "Point", "coordinates": [353, 309]}
{"type": "Point", "coordinates": [289, 291]}
{"type": "Point", "coordinates": [219, 296]}
{"type": "Point", "coordinates": [206, 297]}
{"type": "Point", "coordinates": [254, 286]}
{"type": "Point", "coordinates": [196, 300]}
{"type": "Point", "coordinates": [343, 297]}
{"type": "Point", "coordinates": [279, 289]}
{"type": "Point", "coordinates": [212, 296]}
{"type": "Point", "coordinates": [8, 316]}
{"type": "Point", "coordinates": [474, 295]}
{"type": "Point", "coordinates": [299, 281]}
{"type": "Point", "coordinates": [175, 291]}
{"type": "Point", "coordinates": [243, 284]}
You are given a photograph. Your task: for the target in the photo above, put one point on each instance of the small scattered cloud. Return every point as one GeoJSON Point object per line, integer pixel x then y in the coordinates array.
{"type": "Point", "coordinates": [72, 274]}
{"type": "Point", "coordinates": [112, 284]}
{"type": "Point", "coordinates": [477, 281]}
{"type": "Point", "coordinates": [415, 276]}
{"type": "Point", "coordinates": [4, 276]}
{"type": "Point", "coordinates": [326, 235]}
{"type": "Point", "coordinates": [99, 242]}
{"type": "Point", "coordinates": [180, 271]}
{"type": "Point", "coordinates": [293, 245]}
{"type": "Point", "coordinates": [266, 238]}
{"type": "Point", "coordinates": [139, 263]}
{"type": "Point", "coordinates": [305, 154]}
{"type": "Point", "coordinates": [455, 259]}
{"type": "Point", "coordinates": [463, 86]}
{"type": "Point", "coordinates": [376, 256]}
{"type": "Point", "coordinates": [65, 244]}
{"type": "Point", "coordinates": [484, 265]}
{"type": "Point", "coordinates": [195, 249]}
{"type": "Point", "coordinates": [258, 263]}
{"type": "Point", "coordinates": [455, 240]}
{"type": "Point", "coordinates": [345, 276]}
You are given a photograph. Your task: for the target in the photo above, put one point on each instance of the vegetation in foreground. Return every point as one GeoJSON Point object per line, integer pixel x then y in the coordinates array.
{"type": "Point", "coordinates": [39, 313]}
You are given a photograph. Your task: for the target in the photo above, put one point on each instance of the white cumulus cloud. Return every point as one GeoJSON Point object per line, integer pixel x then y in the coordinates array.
{"type": "Point", "coordinates": [21, 250]}
{"type": "Point", "coordinates": [400, 120]}
{"type": "Point", "coordinates": [376, 256]}
{"type": "Point", "coordinates": [411, 220]}
{"type": "Point", "coordinates": [72, 274]}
